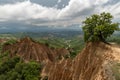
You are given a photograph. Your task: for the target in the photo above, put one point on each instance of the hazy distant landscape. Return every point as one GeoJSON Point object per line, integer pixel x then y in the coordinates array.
{"type": "Point", "coordinates": [59, 40]}
{"type": "Point", "coordinates": [72, 40]}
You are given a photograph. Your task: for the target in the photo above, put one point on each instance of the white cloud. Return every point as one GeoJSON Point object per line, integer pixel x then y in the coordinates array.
{"type": "Point", "coordinates": [114, 9]}
{"type": "Point", "coordinates": [74, 7]}
{"type": "Point", "coordinates": [59, 1]}
{"type": "Point", "coordinates": [26, 10]}
{"type": "Point", "coordinates": [73, 13]}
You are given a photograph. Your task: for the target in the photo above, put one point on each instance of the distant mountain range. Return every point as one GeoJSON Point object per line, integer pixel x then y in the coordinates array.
{"type": "Point", "coordinates": [13, 27]}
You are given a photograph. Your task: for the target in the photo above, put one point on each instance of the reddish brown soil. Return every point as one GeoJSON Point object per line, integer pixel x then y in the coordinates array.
{"type": "Point", "coordinates": [30, 50]}
{"type": "Point", "coordinates": [91, 64]}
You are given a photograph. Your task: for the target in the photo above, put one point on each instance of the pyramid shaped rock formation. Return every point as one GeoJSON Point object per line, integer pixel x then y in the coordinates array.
{"type": "Point", "coordinates": [28, 50]}
{"type": "Point", "coordinates": [93, 63]}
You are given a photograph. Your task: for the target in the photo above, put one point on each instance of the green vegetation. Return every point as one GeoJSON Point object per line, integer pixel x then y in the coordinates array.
{"type": "Point", "coordinates": [10, 42]}
{"type": "Point", "coordinates": [15, 69]}
{"type": "Point", "coordinates": [99, 27]}
{"type": "Point", "coordinates": [7, 36]}
{"type": "Point", "coordinates": [53, 42]}
{"type": "Point", "coordinates": [116, 70]}
{"type": "Point", "coordinates": [115, 39]}
{"type": "Point", "coordinates": [96, 28]}
{"type": "Point", "coordinates": [0, 48]}
{"type": "Point", "coordinates": [75, 44]}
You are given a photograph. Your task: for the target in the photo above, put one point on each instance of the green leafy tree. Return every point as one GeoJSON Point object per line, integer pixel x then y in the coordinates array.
{"type": "Point", "coordinates": [99, 27]}
{"type": "Point", "coordinates": [15, 69]}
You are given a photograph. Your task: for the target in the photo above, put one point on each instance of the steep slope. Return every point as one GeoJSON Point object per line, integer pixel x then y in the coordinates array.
{"type": "Point", "coordinates": [93, 63]}
{"type": "Point", "coordinates": [27, 49]}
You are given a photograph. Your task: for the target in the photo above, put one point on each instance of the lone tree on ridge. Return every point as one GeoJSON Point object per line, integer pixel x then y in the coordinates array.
{"type": "Point", "coordinates": [99, 27]}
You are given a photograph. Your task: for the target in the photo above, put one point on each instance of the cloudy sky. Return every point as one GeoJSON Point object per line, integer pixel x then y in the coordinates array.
{"type": "Point", "coordinates": [54, 12]}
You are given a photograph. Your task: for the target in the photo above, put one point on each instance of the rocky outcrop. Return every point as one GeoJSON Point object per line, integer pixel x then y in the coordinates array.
{"type": "Point", "coordinates": [93, 63]}
{"type": "Point", "coordinates": [28, 50]}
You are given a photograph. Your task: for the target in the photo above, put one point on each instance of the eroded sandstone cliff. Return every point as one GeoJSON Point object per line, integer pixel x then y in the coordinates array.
{"type": "Point", "coordinates": [28, 50]}
{"type": "Point", "coordinates": [93, 63]}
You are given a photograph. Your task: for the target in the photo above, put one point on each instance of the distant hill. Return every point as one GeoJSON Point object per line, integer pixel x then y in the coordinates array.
{"type": "Point", "coordinates": [48, 33]}
{"type": "Point", "coordinates": [28, 50]}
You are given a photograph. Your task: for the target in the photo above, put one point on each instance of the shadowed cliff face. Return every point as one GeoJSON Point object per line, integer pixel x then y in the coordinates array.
{"type": "Point", "coordinates": [93, 63]}
{"type": "Point", "coordinates": [29, 50]}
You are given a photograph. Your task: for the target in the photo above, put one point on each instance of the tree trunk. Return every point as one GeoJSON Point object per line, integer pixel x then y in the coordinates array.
{"type": "Point", "coordinates": [102, 38]}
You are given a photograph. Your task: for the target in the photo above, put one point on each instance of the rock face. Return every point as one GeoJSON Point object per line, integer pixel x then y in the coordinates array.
{"type": "Point", "coordinates": [93, 63]}
{"type": "Point", "coordinates": [29, 50]}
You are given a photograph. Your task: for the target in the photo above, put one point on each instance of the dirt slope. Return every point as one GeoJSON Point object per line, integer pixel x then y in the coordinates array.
{"type": "Point", "coordinates": [93, 63]}
{"type": "Point", "coordinates": [27, 49]}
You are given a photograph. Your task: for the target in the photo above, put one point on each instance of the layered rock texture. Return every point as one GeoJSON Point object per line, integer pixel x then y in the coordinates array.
{"type": "Point", "coordinates": [93, 63]}
{"type": "Point", "coordinates": [28, 50]}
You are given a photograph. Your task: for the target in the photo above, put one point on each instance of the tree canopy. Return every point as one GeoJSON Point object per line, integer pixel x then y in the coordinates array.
{"type": "Point", "coordinates": [15, 69]}
{"type": "Point", "coordinates": [99, 27]}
